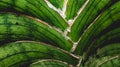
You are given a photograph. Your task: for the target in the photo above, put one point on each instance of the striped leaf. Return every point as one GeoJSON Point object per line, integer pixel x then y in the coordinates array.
{"type": "Point", "coordinates": [101, 42]}
{"type": "Point", "coordinates": [106, 19]}
{"type": "Point", "coordinates": [38, 9]}
{"type": "Point", "coordinates": [87, 16]}
{"type": "Point", "coordinates": [104, 62]}
{"type": "Point", "coordinates": [28, 51]}
{"type": "Point", "coordinates": [59, 33]}
{"type": "Point", "coordinates": [57, 3]}
{"type": "Point", "coordinates": [49, 63]}
{"type": "Point", "coordinates": [73, 7]}
{"type": "Point", "coordinates": [13, 27]}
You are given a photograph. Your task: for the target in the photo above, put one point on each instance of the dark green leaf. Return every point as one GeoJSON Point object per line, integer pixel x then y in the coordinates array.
{"type": "Point", "coordinates": [87, 16]}
{"type": "Point", "coordinates": [73, 7]}
{"type": "Point", "coordinates": [26, 52]}
{"type": "Point", "coordinates": [13, 27]}
{"type": "Point", "coordinates": [57, 3]}
{"type": "Point", "coordinates": [49, 63]}
{"type": "Point", "coordinates": [36, 8]}
{"type": "Point", "coordinates": [107, 18]}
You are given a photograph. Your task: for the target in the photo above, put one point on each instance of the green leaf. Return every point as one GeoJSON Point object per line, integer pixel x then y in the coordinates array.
{"type": "Point", "coordinates": [38, 9]}
{"type": "Point", "coordinates": [57, 3]}
{"type": "Point", "coordinates": [110, 61]}
{"type": "Point", "coordinates": [106, 19]}
{"type": "Point", "coordinates": [27, 51]}
{"type": "Point", "coordinates": [114, 33]}
{"type": "Point", "coordinates": [102, 41]}
{"type": "Point", "coordinates": [73, 7]}
{"type": "Point", "coordinates": [13, 27]}
{"type": "Point", "coordinates": [49, 63]}
{"type": "Point", "coordinates": [87, 16]}
{"type": "Point", "coordinates": [60, 33]}
{"type": "Point", "coordinates": [109, 50]}
{"type": "Point", "coordinates": [106, 37]}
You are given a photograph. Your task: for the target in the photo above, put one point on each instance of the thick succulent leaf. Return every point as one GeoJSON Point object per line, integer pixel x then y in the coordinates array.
{"type": "Point", "coordinates": [47, 40]}
{"type": "Point", "coordinates": [109, 50]}
{"type": "Point", "coordinates": [73, 7]}
{"type": "Point", "coordinates": [49, 63]}
{"type": "Point", "coordinates": [107, 61]}
{"type": "Point", "coordinates": [57, 3]}
{"type": "Point", "coordinates": [13, 27]}
{"type": "Point", "coordinates": [36, 8]}
{"type": "Point", "coordinates": [101, 42]}
{"type": "Point", "coordinates": [106, 19]}
{"type": "Point", "coordinates": [26, 52]}
{"type": "Point", "coordinates": [114, 33]}
{"type": "Point", "coordinates": [87, 16]}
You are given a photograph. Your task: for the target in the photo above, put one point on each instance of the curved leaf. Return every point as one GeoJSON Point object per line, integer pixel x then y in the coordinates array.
{"type": "Point", "coordinates": [109, 50]}
{"type": "Point", "coordinates": [49, 63]}
{"type": "Point", "coordinates": [26, 52]}
{"type": "Point", "coordinates": [57, 3]}
{"type": "Point", "coordinates": [73, 7]}
{"type": "Point", "coordinates": [37, 8]}
{"type": "Point", "coordinates": [101, 42]}
{"type": "Point", "coordinates": [93, 34]}
{"type": "Point", "coordinates": [107, 61]}
{"type": "Point", "coordinates": [106, 19]}
{"type": "Point", "coordinates": [87, 16]}
{"type": "Point", "coordinates": [13, 27]}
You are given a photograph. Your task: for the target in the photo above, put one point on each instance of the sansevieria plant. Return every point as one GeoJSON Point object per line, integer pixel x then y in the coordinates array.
{"type": "Point", "coordinates": [59, 33]}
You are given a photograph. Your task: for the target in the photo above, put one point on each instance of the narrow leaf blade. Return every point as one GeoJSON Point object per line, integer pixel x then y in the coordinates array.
{"type": "Point", "coordinates": [73, 6]}
{"type": "Point", "coordinates": [20, 27]}
{"type": "Point", "coordinates": [27, 52]}
{"type": "Point", "coordinates": [38, 9]}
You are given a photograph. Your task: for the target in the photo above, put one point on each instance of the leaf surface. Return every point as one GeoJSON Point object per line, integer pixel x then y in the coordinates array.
{"type": "Point", "coordinates": [57, 3]}
{"type": "Point", "coordinates": [49, 63]}
{"type": "Point", "coordinates": [106, 19]}
{"type": "Point", "coordinates": [87, 16]}
{"type": "Point", "coordinates": [13, 27]}
{"type": "Point", "coordinates": [28, 52]}
{"type": "Point", "coordinates": [73, 7]}
{"type": "Point", "coordinates": [38, 9]}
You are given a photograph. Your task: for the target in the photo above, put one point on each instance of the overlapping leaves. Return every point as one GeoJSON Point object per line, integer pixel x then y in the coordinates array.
{"type": "Point", "coordinates": [93, 35]}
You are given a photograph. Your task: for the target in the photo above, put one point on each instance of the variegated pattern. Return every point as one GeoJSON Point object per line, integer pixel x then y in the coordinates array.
{"type": "Point", "coordinates": [59, 33]}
